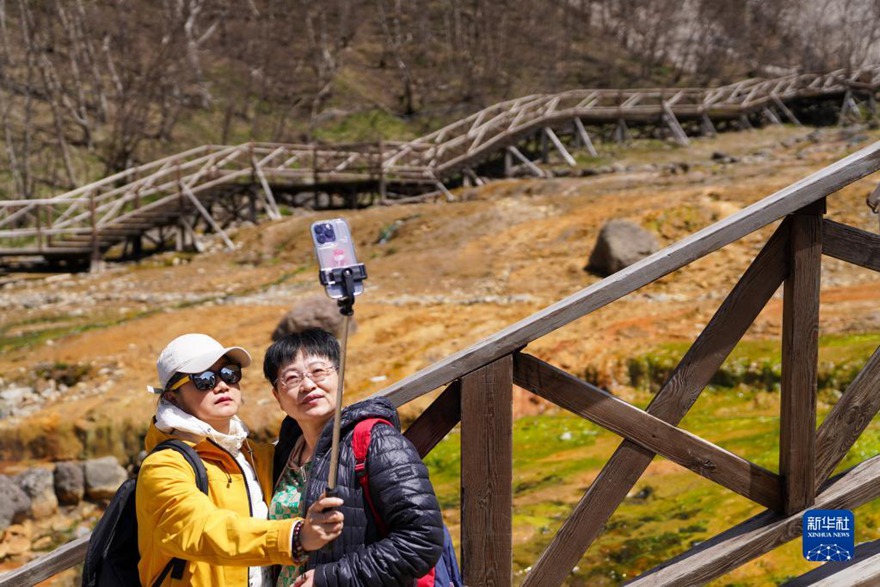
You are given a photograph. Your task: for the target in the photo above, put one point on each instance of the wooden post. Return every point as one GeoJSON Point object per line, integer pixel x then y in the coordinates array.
{"type": "Point", "coordinates": [380, 160]}
{"type": "Point", "coordinates": [487, 475]}
{"type": "Point", "coordinates": [786, 110]}
{"type": "Point", "coordinates": [668, 117]}
{"type": "Point", "coordinates": [49, 226]}
{"type": "Point", "coordinates": [96, 248]}
{"type": "Point", "coordinates": [525, 160]}
{"type": "Point", "coordinates": [315, 173]}
{"type": "Point", "coordinates": [585, 137]}
{"type": "Point", "coordinates": [39, 214]}
{"type": "Point", "coordinates": [621, 131]}
{"type": "Point", "coordinates": [800, 351]}
{"type": "Point", "coordinates": [548, 132]}
{"type": "Point", "coordinates": [771, 116]}
{"type": "Point", "coordinates": [545, 149]}
{"type": "Point", "coordinates": [180, 233]}
{"type": "Point", "coordinates": [706, 127]}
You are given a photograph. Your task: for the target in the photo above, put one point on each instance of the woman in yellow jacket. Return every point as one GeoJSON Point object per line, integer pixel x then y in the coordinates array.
{"type": "Point", "coordinates": [224, 536]}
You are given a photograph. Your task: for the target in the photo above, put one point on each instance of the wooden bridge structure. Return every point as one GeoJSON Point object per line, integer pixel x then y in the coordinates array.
{"type": "Point", "coordinates": [170, 202]}
{"type": "Point", "coordinates": [476, 387]}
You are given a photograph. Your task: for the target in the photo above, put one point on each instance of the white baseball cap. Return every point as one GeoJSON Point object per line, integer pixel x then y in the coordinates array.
{"type": "Point", "coordinates": [194, 353]}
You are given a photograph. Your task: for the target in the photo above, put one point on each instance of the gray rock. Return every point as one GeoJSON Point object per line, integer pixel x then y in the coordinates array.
{"type": "Point", "coordinates": [103, 477]}
{"type": "Point", "coordinates": [69, 482]}
{"type": "Point", "coordinates": [39, 485]}
{"type": "Point", "coordinates": [313, 312]}
{"type": "Point", "coordinates": [620, 244]}
{"type": "Point", "coordinates": [14, 502]}
{"type": "Point", "coordinates": [16, 395]}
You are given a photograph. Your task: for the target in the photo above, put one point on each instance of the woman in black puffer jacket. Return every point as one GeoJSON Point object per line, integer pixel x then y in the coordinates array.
{"type": "Point", "coordinates": [302, 371]}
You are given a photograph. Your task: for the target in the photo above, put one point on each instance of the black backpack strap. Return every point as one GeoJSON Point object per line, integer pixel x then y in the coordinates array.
{"type": "Point", "coordinates": [167, 568]}
{"type": "Point", "coordinates": [177, 565]}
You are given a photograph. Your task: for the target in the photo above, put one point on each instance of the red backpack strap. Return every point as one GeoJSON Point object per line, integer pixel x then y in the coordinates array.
{"type": "Point", "coordinates": [360, 444]}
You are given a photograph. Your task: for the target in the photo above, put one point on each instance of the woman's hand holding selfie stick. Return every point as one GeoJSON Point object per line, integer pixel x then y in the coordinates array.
{"type": "Point", "coordinates": [322, 524]}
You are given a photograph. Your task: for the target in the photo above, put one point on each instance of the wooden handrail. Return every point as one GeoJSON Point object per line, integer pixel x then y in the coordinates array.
{"type": "Point", "coordinates": [60, 559]}
{"type": "Point", "coordinates": [758, 215]}
{"type": "Point", "coordinates": [443, 154]}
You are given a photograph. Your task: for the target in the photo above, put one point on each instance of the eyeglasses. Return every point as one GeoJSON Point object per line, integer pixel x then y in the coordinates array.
{"type": "Point", "coordinates": [207, 380]}
{"type": "Point", "coordinates": [317, 375]}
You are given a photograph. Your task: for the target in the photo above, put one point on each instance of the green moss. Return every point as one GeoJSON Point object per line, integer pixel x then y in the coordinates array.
{"type": "Point", "coordinates": [64, 373]}
{"type": "Point", "coordinates": [365, 126]}
{"type": "Point", "coordinates": [670, 509]}
{"type": "Point", "coordinates": [757, 365]}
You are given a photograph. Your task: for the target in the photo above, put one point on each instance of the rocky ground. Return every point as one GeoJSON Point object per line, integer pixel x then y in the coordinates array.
{"type": "Point", "coordinates": [79, 350]}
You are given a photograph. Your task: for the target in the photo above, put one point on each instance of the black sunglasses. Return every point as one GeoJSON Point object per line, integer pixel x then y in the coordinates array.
{"type": "Point", "coordinates": [207, 380]}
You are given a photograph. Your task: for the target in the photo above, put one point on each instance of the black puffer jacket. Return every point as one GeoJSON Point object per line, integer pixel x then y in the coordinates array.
{"type": "Point", "coordinates": [401, 492]}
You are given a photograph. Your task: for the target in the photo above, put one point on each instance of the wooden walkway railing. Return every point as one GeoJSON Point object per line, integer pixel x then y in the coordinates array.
{"type": "Point", "coordinates": [201, 190]}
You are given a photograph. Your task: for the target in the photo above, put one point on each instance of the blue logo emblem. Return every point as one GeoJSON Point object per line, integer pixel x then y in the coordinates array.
{"type": "Point", "coordinates": [829, 535]}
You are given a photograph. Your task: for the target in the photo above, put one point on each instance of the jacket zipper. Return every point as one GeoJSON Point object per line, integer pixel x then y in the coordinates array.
{"type": "Point", "coordinates": [243, 476]}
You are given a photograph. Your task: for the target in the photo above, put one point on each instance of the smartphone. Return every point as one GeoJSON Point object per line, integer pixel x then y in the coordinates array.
{"type": "Point", "coordinates": [334, 249]}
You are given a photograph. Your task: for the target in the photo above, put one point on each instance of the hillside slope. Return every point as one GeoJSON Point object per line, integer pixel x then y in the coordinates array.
{"type": "Point", "coordinates": [452, 274]}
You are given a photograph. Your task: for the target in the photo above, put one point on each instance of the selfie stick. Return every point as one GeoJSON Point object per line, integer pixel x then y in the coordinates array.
{"type": "Point", "coordinates": [347, 278]}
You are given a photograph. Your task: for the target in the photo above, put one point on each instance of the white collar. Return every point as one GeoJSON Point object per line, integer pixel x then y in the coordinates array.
{"type": "Point", "coordinates": [170, 419]}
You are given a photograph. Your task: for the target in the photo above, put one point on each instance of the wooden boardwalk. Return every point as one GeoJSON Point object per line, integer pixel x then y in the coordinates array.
{"type": "Point", "coordinates": [169, 202]}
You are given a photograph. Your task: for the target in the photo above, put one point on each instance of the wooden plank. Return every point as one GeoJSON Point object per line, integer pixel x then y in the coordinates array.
{"type": "Point", "coordinates": [848, 418]}
{"type": "Point", "coordinates": [863, 569]}
{"type": "Point", "coordinates": [620, 474]}
{"type": "Point", "coordinates": [762, 533]}
{"type": "Point", "coordinates": [487, 475]}
{"type": "Point", "coordinates": [800, 354]}
{"type": "Point", "coordinates": [434, 423]}
{"type": "Point", "coordinates": [851, 244]}
{"type": "Point", "coordinates": [639, 274]}
{"type": "Point", "coordinates": [682, 447]}
{"type": "Point", "coordinates": [48, 565]}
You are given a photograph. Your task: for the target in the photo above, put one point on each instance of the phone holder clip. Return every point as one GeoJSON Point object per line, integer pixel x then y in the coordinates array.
{"type": "Point", "coordinates": [346, 278]}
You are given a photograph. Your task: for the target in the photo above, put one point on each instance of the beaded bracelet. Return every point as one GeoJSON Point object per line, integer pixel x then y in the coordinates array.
{"type": "Point", "coordinates": [299, 554]}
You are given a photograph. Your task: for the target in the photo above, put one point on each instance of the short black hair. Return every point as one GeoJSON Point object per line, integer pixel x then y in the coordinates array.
{"type": "Point", "coordinates": [315, 342]}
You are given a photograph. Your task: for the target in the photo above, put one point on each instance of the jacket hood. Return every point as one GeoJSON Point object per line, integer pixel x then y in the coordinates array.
{"type": "Point", "coordinates": [378, 407]}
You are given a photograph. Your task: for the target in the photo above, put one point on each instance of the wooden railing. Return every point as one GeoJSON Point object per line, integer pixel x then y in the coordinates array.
{"type": "Point", "coordinates": [178, 191]}
{"type": "Point", "coordinates": [792, 257]}
{"type": "Point", "coordinates": [477, 386]}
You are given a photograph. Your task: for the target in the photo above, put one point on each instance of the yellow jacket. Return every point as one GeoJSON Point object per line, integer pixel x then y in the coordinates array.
{"type": "Point", "coordinates": [215, 533]}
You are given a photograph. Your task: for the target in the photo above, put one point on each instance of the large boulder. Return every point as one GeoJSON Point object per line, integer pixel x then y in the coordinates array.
{"type": "Point", "coordinates": [103, 477]}
{"type": "Point", "coordinates": [620, 244]}
{"type": "Point", "coordinates": [313, 312]}
{"type": "Point", "coordinates": [69, 482]}
{"type": "Point", "coordinates": [39, 485]}
{"type": "Point", "coordinates": [14, 502]}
